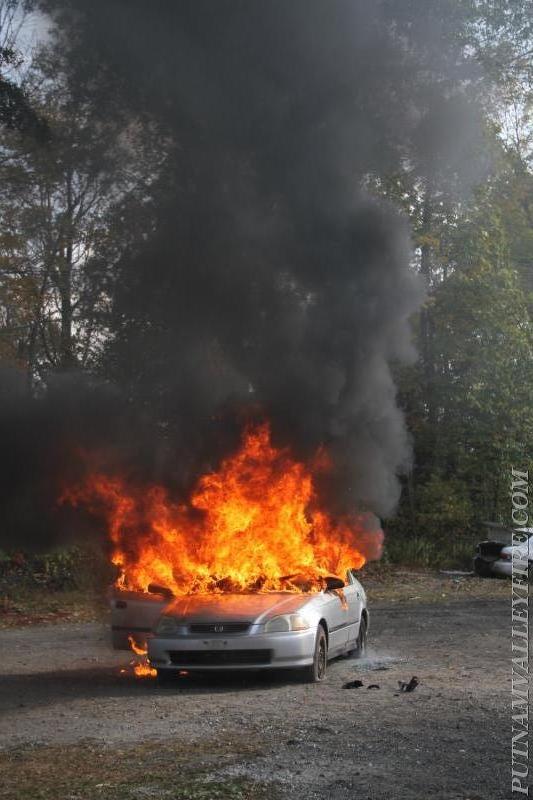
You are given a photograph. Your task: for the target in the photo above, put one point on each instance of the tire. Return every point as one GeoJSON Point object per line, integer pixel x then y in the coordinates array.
{"type": "Point", "coordinates": [316, 672]}
{"type": "Point", "coordinates": [360, 649]}
{"type": "Point", "coordinates": [482, 568]}
{"type": "Point", "coordinates": [165, 676]}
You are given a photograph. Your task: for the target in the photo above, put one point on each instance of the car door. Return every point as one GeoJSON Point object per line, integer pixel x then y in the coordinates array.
{"type": "Point", "coordinates": [336, 613]}
{"type": "Point", "coordinates": [134, 614]}
{"type": "Point", "coordinates": [354, 599]}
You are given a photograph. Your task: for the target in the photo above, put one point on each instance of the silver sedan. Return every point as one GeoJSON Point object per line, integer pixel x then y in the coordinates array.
{"type": "Point", "coordinates": [261, 630]}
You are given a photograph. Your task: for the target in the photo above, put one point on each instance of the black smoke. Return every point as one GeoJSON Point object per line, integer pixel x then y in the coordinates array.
{"type": "Point", "coordinates": [275, 284]}
{"type": "Point", "coordinates": [51, 442]}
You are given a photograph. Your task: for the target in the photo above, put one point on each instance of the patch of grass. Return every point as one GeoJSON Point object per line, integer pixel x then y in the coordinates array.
{"type": "Point", "coordinates": [35, 605]}
{"type": "Point", "coordinates": [431, 552]}
{"type": "Point", "coordinates": [67, 585]}
{"type": "Point", "coordinates": [181, 771]}
{"type": "Point", "coordinates": [392, 583]}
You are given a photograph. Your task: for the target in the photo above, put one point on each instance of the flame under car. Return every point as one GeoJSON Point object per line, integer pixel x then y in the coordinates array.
{"type": "Point", "coordinates": [237, 631]}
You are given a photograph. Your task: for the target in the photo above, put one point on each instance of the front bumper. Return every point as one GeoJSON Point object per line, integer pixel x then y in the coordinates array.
{"type": "Point", "coordinates": [251, 651]}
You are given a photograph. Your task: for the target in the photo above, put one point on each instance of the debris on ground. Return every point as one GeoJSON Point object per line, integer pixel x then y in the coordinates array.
{"type": "Point", "coordinates": [408, 686]}
{"type": "Point", "coordinates": [353, 685]}
{"type": "Point", "coordinates": [373, 686]}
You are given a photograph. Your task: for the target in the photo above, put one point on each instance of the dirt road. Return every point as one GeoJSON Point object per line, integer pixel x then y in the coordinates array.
{"type": "Point", "coordinates": [63, 699]}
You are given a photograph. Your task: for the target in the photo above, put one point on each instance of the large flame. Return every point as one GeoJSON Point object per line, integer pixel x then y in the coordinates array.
{"type": "Point", "coordinates": [253, 525]}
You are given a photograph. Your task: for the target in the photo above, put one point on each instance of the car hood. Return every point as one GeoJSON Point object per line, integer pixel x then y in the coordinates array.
{"type": "Point", "coordinates": [236, 607]}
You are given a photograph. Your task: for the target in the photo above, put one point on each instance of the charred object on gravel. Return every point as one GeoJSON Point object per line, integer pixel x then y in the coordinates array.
{"type": "Point", "coordinates": [408, 686]}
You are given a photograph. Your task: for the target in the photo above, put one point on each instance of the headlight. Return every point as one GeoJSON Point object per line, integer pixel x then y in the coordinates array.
{"type": "Point", "coordinates": [167, 626]}
{"type": "Point", "coordinates": [286, 622]}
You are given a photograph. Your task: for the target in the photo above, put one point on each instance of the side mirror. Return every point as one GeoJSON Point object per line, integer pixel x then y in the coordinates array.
{"type": "Point", "coordinates": [334, 583]}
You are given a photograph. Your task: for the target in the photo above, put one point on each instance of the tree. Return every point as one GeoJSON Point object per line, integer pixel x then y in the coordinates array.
{"type": "Point", "coordinates": [483, 351]}
{"type": "Point", "coordinates": [69, 206]}
{"type": "Point", "coordinates": [16, 111]}
{"type": "Point", "coordinates": [474, 332]}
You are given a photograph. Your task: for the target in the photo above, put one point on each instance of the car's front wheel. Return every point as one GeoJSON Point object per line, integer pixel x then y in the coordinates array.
{"type": "Point", "coordinates": [316, 672]}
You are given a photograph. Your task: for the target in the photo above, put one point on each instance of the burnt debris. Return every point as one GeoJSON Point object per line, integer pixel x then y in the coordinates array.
{"type": "Point", "coordinates": [356, 684]}
{"type": "Point", "coordinates": [408, 686]}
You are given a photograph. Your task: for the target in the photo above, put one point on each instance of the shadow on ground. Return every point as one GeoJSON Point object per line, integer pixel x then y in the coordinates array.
{"type": "Point", "coordinates": [47, 688]}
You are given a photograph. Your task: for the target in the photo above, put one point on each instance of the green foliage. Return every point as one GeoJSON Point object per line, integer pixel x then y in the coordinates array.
{"type": "Point", "coordinates": [444, 508]}
{"type": "Point", "coordinates": [412, 551]}
{"type": "Point", "coordinates": [468, 400]}
{"type": "Point", "coordinates": [483, 379]}
{"type": "Point", "coordinates": [61, 570]}
{"type": "Point", "coordinates": [438, 530]}
{"type": "Point", "coordinates": [428, 553]}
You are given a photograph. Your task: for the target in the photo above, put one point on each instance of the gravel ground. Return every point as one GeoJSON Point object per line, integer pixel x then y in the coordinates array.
{"type": "Point", "coordinates": [61, 685]}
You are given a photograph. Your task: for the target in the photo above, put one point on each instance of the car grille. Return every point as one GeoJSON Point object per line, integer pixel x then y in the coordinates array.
{"type": "Point", "coordinates": [219, 658]}
{"type": "Point", "coordinates": [219, 627]}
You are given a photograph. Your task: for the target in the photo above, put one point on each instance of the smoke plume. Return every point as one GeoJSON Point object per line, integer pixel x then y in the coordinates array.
{"type": "Point", "coordinates": [274, 283]}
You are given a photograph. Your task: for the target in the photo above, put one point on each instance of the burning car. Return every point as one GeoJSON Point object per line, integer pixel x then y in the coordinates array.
{"type": "Point", "coordinates": [249, 570]}
{"type": "Point", "coordinates": [247, 630]}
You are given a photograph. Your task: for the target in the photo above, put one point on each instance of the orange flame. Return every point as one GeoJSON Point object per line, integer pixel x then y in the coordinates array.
{"type": "Point", "coordinates": [254, 524]}
{"type": "Point", "coordinates": [141, 669]}
{"type": "Point", "coordinates": [139, 651]}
